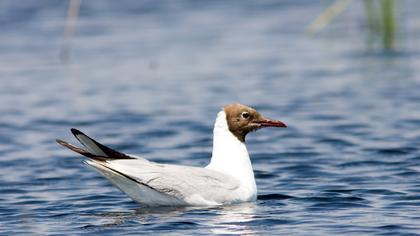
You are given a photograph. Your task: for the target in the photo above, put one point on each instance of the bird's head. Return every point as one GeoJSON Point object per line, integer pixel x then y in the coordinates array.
{"type": "Point", "coordinates": [242, 119]}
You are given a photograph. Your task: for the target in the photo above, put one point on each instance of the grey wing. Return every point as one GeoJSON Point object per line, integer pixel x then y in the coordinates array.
{"type": "Point", "coordinates": [182, 182]}
{"type": "Point", "coordinates": [158, 184]}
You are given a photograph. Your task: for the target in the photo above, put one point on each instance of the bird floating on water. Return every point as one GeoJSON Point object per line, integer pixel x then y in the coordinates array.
{"type": "Point", "coordinates": [228, 179]}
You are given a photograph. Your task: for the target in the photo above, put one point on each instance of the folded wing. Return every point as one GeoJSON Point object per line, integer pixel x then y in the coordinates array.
{"type": "Point", "coordinates": [194, 185]}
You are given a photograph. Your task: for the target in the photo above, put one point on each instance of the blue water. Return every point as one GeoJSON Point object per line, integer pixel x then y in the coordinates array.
{"type": "Point", "coordinates": [148, 77]}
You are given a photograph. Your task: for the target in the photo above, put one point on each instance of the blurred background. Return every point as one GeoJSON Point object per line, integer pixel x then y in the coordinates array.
{"type": "Point", "coordinates": [148, 78]}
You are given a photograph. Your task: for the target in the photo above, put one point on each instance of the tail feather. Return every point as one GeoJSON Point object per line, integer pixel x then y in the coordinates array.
{"type": "Point", "coordinates": [94, 150]}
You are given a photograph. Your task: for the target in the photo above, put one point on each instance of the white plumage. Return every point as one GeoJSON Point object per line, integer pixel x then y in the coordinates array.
{"type": "Point", "coordinates": [229, 178]}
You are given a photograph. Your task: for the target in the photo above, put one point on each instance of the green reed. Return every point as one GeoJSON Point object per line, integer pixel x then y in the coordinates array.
{"type": "Point", "coordinates": [380, 19]}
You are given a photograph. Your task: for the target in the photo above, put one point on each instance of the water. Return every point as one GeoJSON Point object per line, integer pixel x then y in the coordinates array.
{"type": "Point", "coordinates": [148, 77]}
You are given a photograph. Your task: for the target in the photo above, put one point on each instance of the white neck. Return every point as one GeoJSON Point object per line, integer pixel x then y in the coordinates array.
{"type": "Point", "coordinates": [230, 155]}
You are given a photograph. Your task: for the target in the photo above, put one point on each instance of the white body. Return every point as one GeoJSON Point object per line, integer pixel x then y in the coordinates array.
{"type": "Point", "coordinates": [229, 178]}
{"type": "Point", "coordinates": [231, 157]}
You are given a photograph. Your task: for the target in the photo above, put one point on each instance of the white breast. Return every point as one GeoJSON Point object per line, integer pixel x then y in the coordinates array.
{"type": "Point", "coordinates": [231, 157]}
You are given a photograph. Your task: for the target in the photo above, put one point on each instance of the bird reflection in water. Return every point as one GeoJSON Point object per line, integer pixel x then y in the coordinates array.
{"type": "Point", "coordinates": [233, 219]}
{"type": "Point", "coordinates": [229, 219]}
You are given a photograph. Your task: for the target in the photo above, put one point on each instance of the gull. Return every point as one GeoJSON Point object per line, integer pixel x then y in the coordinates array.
{"type": "Point", "coordinates": [227, 179]}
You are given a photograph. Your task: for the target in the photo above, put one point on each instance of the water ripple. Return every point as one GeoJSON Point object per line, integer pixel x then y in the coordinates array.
{"type": "Point", "coordinates": [148, 78]}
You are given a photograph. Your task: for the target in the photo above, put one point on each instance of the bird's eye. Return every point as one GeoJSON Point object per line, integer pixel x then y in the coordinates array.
{"type": "Point", "coordinates": [245, 115]}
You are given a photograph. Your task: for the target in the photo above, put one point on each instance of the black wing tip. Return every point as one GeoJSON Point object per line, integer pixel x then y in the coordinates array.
{"type": "Point", "coordinates": [111, 153]}
{"type": "Point", "coordinates": [80, 151]}
{"type": "Point", "coordinates": [76, 131]}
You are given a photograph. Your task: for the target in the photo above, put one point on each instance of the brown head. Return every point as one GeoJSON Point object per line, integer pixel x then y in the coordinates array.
{"type": "Point", "coordinates": [242, 119]}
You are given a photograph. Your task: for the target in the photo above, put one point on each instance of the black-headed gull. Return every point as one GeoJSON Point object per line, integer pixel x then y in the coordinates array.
{"type": "Point", "coordinates": [229, 178]}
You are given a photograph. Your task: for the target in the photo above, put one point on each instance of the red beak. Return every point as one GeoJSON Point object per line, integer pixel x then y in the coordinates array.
{"type": "Point", "coordinates": [272, 123]}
